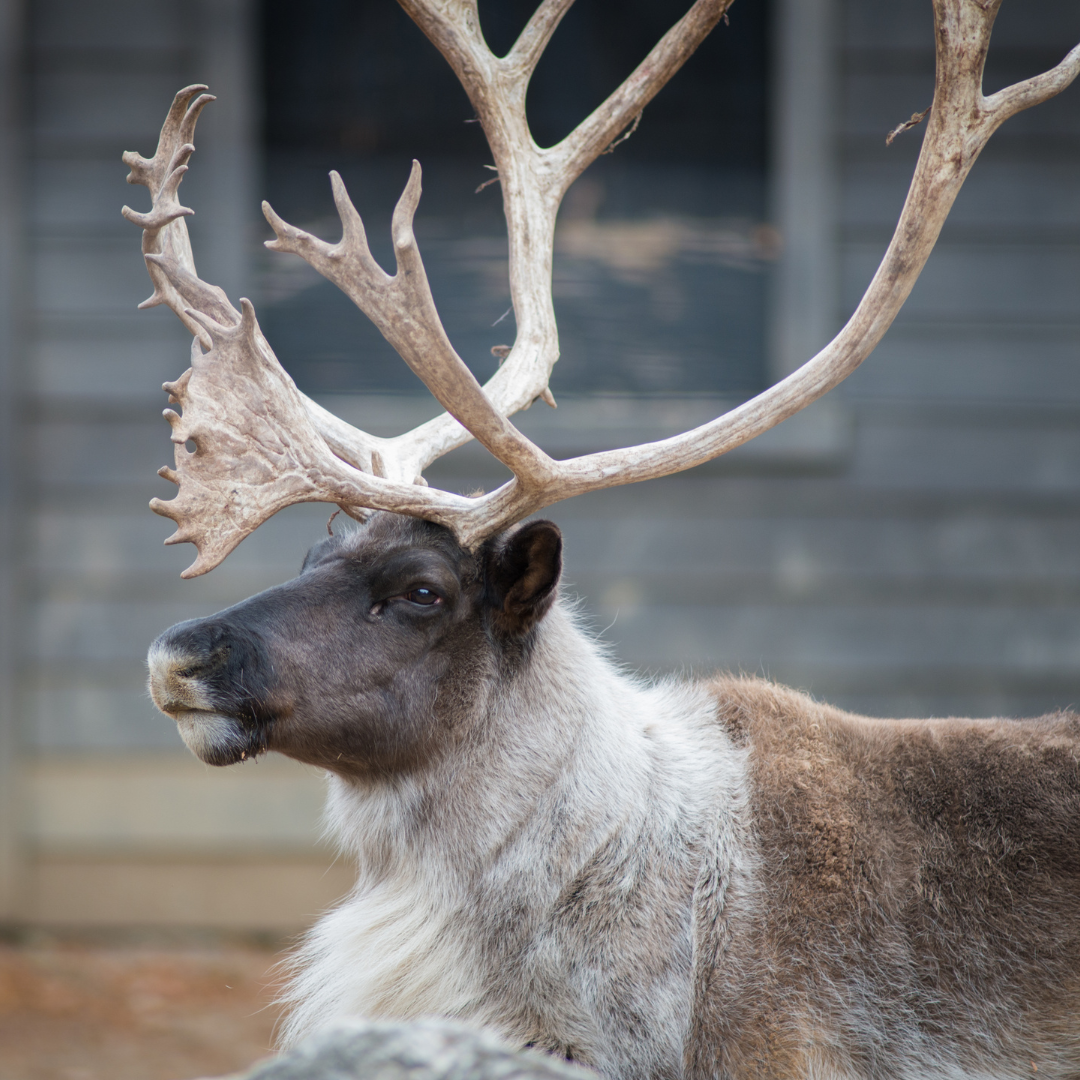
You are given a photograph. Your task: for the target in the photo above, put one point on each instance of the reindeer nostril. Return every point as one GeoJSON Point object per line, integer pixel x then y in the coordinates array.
{"type": "Point", "coordinates": [196, 668]}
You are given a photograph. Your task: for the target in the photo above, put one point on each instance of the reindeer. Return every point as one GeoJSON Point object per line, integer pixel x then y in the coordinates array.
{"type": "Point", "coordinates": [689, 878]}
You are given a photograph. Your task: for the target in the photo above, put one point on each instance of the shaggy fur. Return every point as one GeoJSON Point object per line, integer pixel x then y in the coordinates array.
{"type": "Point", "coordinates": [719, 878]}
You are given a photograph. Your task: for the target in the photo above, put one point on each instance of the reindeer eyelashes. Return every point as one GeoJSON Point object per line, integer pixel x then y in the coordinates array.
{"type": "Point", "coordinates": [419, 597]}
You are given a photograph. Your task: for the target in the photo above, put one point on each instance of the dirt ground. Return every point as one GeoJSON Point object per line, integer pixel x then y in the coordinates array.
{"type": "Point", "coordinates": [93, 1011]}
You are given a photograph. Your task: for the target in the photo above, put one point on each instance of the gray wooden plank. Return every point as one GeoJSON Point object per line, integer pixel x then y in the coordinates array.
{"type": "Point", "coordinates": [106, 368]}
{"type": "Point", "coordinates": [902, 452]}
{"type": "Point", "coordinates": [823, 641]}
{"type": "Point", "coordinates": [968, 362]}
{"type": "Point", "coordinates": [103, 24]}
{"type": "Point", "coordinates": [908, 24]}
{"type": "Point", "coordinates": [104, 630]}
{"type": "Point", "coordinates": [815, 555]}
{"type": "Point", "coordinates": [150, 804]}
{"type": "Point", "coordinates": [1037, 24]}
{"type": "Point", "coordinates": [94, 553]}
{"type": "Point", "coordinates": [976, 702]}
{"type": "Point", "coordinates": [997, 196]}
{"type": "Point", "coordinates": [97, 718]}
{"type": "Point", "coordinates": [962, 282]}
{"type": "Point", "coordinates": [902, 24]}
{"type": "Point", "coordinates": [115, 105]}
{"type": "Point", "coordinates": [78, 196]}
{"type": "Point", "coordinates": [88, 276]}
{"type": "Point", "coordinates": [103, 454]}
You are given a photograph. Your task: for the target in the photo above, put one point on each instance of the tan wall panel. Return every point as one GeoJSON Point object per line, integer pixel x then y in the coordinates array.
{"type": "Point", "coordinates": [156, 804]}
{"type": "Point", "coordinates": [281, 895]}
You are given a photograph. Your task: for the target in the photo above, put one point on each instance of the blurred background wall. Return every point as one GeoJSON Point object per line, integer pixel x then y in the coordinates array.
{"type": "Point", "coordinates": [910, 546]}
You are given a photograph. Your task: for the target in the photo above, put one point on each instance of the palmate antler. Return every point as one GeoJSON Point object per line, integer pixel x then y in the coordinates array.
{"type": "Point", "coordinates": [260, 444]}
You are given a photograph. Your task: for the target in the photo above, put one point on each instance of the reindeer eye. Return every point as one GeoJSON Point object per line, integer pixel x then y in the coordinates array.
{"type": "Point", "coordinates": [426, 597]}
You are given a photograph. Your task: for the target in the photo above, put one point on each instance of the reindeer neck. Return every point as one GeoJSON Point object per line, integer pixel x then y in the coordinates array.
{"type": "Point", "coordinates": [476, 876]}
{"type": "Point", "coordinates": [563, 745]}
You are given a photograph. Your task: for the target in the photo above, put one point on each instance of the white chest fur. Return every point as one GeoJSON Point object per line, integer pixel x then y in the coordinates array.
{"type": "Point", "coordinates": [387, 952]}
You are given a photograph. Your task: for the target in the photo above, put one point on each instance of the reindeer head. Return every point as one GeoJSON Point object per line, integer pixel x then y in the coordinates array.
{"type": "Point", "coordinates": [375, 657]}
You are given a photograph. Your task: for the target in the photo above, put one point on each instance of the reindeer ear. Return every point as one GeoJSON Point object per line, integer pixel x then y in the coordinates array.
{"type": "Point", "coordinates": [522, 571]}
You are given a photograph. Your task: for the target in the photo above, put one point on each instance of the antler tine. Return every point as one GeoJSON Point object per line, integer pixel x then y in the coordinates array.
{"type": "Point", "coordinates": [595, 133]}
{"type": "Point", "coordinates": [166, 206]}
{"type": "Point", "coordinates": [403, 309]}
{"type": "Point", "coordinates": [1022, 95]}
{"type": "Point", "coordinates": [533, 39]}
{"type": "Point", "coordinates": [353, 244]}
{"type": "Point", "coordinates": [189, 292]}
{"type": "Point", "coordinates": [179, 128]}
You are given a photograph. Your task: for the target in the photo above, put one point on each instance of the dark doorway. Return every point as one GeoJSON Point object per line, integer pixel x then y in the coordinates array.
{"type": "Point", "coordinates": [662, 252]}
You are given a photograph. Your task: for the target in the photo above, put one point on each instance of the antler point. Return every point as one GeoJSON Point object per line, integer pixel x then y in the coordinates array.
{"type": "Point", "coordinates": [274, 219]}
{"type": "Point", "coordinates": [247, 315]}
{"type": "Point", "coordinates": [165, 508]}
{"type": "Point", "coordinates": [198, 567]}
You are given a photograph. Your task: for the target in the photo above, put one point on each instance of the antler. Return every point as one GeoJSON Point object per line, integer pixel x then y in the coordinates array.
{"type": "Point", "coordinates": [404, 311]}
{"type": "Point", "coordinates": [164, 231]}
{"type": "Point", "coordinates": [256, 448]}
{"type": "Point", "coordinates": [261, 444]}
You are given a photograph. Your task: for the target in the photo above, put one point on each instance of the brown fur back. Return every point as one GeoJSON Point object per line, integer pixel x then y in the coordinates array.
{"type": "Point", "coordinates": [917, 903]}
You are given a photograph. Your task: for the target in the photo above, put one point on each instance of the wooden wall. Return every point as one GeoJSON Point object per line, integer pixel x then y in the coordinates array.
{"type": "Point", "coordinates": [912, 548]}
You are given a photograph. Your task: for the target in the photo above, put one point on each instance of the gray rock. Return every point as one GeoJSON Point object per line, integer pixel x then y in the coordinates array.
{"type": "Point", "coordinates": [420, 1050]}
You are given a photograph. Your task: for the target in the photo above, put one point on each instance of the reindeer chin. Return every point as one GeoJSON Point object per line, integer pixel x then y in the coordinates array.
{"type": "Point", "coordinates": [214, 738]}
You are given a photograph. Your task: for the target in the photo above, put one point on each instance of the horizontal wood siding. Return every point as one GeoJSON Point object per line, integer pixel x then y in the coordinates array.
{"type": "Point", "coordinates": [924, 561]}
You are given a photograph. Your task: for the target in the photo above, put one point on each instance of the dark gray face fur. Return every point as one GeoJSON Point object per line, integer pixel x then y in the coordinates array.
{"type": "Point", "coordinates": [372, 660]}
